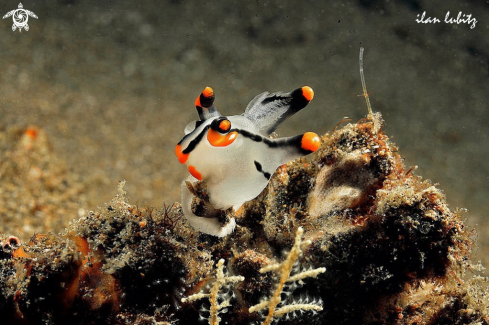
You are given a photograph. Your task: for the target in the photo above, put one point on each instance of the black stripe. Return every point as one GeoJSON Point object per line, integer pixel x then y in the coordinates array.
{"type": "Point", "coordinates": [295, 141]}
{"type": "Point", "coordinates": [279, 143]}
{"type": "Point", "coordinates": [259, 168]}
{"type": "Point", "coordinates": [191, 146]}
{"type": "Point", "coordinates": [252, 136]}
{"type": "Point", "coordinates": [275, 98]}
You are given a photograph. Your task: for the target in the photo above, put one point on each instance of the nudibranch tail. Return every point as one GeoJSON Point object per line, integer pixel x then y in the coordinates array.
{"type": "Point", "coordinates": [208, 224]}
{"type": "Point", "coordinates": [267, 110]}
{"type": "Point", "coordinates": [204, 104]}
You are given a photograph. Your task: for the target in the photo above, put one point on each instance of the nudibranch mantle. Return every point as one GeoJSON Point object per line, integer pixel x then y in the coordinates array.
{"type": "Point", "coordinates": [234, 155]}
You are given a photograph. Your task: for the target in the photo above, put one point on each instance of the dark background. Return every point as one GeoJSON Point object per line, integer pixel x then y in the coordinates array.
{"type": "Point", "coordinates": [113, 82]}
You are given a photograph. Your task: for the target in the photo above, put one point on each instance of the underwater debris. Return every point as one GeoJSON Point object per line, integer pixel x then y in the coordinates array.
{"type": "Point", "coordinates": [115, 257]}
{"type": "Point", "coordinates": [234, 157]}
{"type": "Point", "coordinates": [394, 251]}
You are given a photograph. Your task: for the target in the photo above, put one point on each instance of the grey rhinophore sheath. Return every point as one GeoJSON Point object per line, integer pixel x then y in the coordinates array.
{"type": "Point", "coordinates": [268, 110]}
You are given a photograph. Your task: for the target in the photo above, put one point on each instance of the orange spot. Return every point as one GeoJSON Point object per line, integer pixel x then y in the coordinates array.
{"type": "Point", "coordinates": [19, 252]}
{"type": "Point", "coordinates": [182, 157]}
{"type": "Point", "coordinates": [310, 141]}
{"type": "Point", "coordinates": [308, 93]}
{"type": "Point", "coordinates": [208, 92]}
{"type": "Point", "coordinates": [194, 172]}
{"type": "Point", "coordinates": [221, 140]}
{"type": "Point", "coordinates": [31, 132]}
{"type": "Point", "coordinates": [225, 125]}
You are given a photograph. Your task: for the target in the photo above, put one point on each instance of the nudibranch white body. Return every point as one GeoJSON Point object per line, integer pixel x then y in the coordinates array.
{"type": "Point", "coordinates": [234, 155]}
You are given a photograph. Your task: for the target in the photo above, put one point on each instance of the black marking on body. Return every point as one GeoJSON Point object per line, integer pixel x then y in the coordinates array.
{"type": "Point", "coordinates": [252, 136]}
{"type": "Point", "coordinates": [294, 142]}
{"type": "Point", "coordinates": [274, 98]}
{"type": "Point", "coordinates": [259, 168]}
{"type": "Point", "coordinates": [191, 146]}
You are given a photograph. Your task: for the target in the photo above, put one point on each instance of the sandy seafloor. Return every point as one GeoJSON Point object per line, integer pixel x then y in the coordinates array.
{"type": "Point", "coordinates": [112, 83]}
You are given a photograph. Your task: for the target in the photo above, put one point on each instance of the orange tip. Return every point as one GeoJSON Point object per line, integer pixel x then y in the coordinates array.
{"type": "Point", "coordinates": [310, 141]}
{"type": "Point", "coordinates": [308, 93]}
{"type": "Point", "coordinates": [208, 92]}
{"type": "Point", "coordinates": [225, 125]}
{"type": "Point", "coordinates": [193, 171]}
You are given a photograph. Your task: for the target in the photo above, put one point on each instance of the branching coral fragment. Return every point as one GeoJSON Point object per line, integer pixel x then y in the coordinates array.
{"type": "Point", "coordinates": [219, 281]}
{"type": "Point", "coordinates": [284, 269]}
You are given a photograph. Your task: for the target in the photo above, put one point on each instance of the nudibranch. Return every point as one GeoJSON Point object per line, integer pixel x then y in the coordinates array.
{"type": "Point", "coordinates": [234, 155]}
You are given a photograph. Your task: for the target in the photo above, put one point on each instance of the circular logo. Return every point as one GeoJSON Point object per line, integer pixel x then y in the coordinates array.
{"type": "Point", "coordinates": [20, 17]}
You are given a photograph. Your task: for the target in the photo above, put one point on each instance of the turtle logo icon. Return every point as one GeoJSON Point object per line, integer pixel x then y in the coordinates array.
{"type": "Point", "coordinates": [20, 16]}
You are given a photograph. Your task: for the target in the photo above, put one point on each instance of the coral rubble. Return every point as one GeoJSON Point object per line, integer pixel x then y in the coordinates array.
{"type": "Point", "coordinates": [391, 249]}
